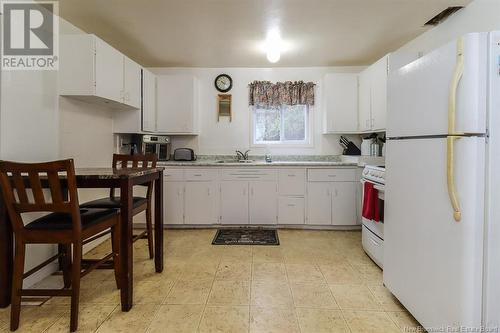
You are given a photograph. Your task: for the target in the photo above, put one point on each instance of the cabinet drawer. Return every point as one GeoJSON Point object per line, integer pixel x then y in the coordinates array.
{"type": "Point", "coordinates": [331, 175]}
{"type": "Point", "coordinates": [249, 174]}
{"type": "Point", "coordinates": [290, 210]}
{"type": "Point", "coordinates": [200, 174]}
{"type": "Point", "coordinates": [292, 181]}
{"type": "Point", "coordinates": [173, 175]}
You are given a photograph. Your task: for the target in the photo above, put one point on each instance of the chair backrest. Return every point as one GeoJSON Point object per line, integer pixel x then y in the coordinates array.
{"type": "Point", "coordinates": [123, 161]}
{"type": "Point", "coordinates": [23, 186]}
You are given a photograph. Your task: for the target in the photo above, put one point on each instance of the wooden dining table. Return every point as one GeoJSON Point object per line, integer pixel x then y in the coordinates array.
{"type": "Point", "coordinates": [123, 179]}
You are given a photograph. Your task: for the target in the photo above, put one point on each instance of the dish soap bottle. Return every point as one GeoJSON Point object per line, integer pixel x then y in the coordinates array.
{"type": "Point", "coordinates": [268, 155]}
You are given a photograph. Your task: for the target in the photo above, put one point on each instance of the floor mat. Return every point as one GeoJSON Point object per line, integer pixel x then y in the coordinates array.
{"type": "Point", "coordinates": [246, 236]}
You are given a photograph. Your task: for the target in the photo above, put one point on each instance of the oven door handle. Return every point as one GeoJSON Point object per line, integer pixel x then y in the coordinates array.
{"type": "Point", "coordinates": [380, 188]}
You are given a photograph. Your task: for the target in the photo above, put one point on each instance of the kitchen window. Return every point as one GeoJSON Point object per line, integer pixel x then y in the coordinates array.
{"type": "Point", "coordinates": [283, 125]}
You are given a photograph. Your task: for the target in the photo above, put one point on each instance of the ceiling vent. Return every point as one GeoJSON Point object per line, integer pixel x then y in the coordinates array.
{"type": "Point", "coordinates": [439, 18]}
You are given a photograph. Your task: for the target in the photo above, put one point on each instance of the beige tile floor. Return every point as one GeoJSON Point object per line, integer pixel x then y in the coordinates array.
{"type": "Point", "coordinates": [314, 282]}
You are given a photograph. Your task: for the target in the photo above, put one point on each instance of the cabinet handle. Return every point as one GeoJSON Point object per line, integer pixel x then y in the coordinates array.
{"type": "Point", "coordinates": [328, 192]}
{"type": "Point", "coordinates": [291, 175]}
{"type": "Point", "coordinates": [332, 176]}
{"type": "Point", "coordinates": [197, 175]}
{"type": "Point", "coordinates": [244, 191]}
{"type": "Point", "coordinates": [208, 191]}
{"type": "Point", "coordinates": [251, 191]}
{"type": "Point", "coordinates": [291, 205]}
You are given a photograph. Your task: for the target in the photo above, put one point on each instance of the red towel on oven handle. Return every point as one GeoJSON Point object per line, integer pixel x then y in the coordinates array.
{"type": "Point", "coordinates": [371, 208]}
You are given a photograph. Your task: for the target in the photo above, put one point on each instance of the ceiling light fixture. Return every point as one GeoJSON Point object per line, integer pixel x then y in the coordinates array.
{"type": "Point", "coordinates": [274, 45]}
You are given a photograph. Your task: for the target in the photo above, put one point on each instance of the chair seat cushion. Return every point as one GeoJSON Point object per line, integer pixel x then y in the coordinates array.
{"type": "Point", "coordinates": [63, 221]}
{"type": "Point", "coordinates": [112, 202]}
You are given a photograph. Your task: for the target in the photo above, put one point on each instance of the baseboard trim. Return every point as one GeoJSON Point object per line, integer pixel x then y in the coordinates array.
{"type": "Point", "coordinates": [280, 226]}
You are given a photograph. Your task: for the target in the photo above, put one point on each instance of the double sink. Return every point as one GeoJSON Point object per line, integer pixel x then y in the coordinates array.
{"type": "Point", "coordinates": [234, 161]}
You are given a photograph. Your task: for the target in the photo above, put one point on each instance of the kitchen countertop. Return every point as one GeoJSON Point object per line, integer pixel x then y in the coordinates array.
{"type": "Point", "coordinates": [299, 161]}
{"type": "Point", "coordinates": [255, 163]}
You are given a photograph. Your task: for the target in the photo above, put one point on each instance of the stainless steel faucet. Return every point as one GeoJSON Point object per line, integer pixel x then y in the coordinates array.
{"type": "Point", "coordinates": [242, 156]}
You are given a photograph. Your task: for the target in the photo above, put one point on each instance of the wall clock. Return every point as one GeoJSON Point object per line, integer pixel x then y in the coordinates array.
{"type": "Point", "coordinates": [223, 83]}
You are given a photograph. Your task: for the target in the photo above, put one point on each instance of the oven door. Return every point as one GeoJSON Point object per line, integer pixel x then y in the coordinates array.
{"type": "Point", "coordinates": [375, 227]}
{"type": "Point", "coordinates": [149, 148]}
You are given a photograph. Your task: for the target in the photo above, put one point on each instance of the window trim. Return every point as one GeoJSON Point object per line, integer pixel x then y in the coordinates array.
{"type": "Point", "coordinates": [284, 144]}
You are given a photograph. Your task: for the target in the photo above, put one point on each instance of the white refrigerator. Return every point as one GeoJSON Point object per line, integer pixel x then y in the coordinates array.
{"type": "Point", "coordinates": [442, 197]}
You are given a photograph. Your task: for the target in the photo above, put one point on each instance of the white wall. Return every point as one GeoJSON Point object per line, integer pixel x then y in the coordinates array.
{"type": "Point", "coordinates": [225, 137]}
{"type": "Point", "coordinates": [38, 125]}
{"type": "Point", "coordinates": [478, 16]}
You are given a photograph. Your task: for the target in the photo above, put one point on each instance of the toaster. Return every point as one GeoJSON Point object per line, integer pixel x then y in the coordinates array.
{"type": "Point", "coordinates": [184, 154]}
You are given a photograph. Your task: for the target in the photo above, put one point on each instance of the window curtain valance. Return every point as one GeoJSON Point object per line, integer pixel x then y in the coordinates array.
{"type": "Point", "coordinates": [267, 94]}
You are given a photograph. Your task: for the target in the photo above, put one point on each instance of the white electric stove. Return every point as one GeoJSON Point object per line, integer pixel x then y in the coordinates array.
{"type": "Point", "coordinates": [373, 231]}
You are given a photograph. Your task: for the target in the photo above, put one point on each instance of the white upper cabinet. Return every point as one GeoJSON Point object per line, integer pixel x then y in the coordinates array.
{"type": "Point", "coordinates": [379, 93]}
{"type": "Point", "coordinates": [177, 104]}
{"type": "Point", "coordinates": [341, 103]}
{"type": "Point", "coordinates": [149, 101]}
{"type": "Point", "coordinates": [108, 72]}
{"type": "Point", "coordinates": [93, 71]}
{"type": "Point", "coordinates": [143, 119]}
{"type": "Point", "coordinates": [365, 113]}
{"type": "Point", "coordinates": [131, 83]}
{"type": "Point", "coordinates": [373, 96]}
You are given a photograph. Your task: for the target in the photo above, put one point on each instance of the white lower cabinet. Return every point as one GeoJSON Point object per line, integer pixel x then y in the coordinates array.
{"type": "Point", "coordinates": [234, 202]}
{"type": "Point", "coordinates": [173, 206]}
{"type": "Point", "coordinates": [200, 203]}
{"type": "Point", "coordinates": [243, 196]}
{"type": "Point", "coordinates": [344, 203]}
{"type": "Point", "coordinates": [319, 203]}
{"type": "Point", "coordinates": [331, 197]}
{"type": "Point", "coordinates": [291, 210]}
{"type": "Point", "coordinates": [244, 202]}
{"type": "Point", "coordinates": [263, 202]}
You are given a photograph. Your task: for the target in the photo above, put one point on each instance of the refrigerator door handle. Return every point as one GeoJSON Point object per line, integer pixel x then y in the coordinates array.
{"type": "Point", "coordinates": [452, 97]}
{"type": "Point", "coordinates": [450, 166]}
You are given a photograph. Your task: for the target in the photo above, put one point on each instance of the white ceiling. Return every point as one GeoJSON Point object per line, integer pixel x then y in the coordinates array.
{"type": "Point", "coordinates": [228, 33]}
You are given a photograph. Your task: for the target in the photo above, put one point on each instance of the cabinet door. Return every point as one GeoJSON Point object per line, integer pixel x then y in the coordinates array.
{"type": "Point", "coordinates": [263, 202]}
{"type": "Point", "coordinates": [365, 100]}
{"type": "Point", "coordinates": [344, 203]}
{"type": "Point", "coordinates": [108, 72]}
{"type": "Point", "coordinates": [148, 101]}
{"type": "Point", "coordinates": [319, 203]}
{"type": "Point", "coordinates": [291, 210]}
{"type": "Point", "coordinates": [200, 203]}
{"type": "Point", "coordinates": [341, 103]}
{"type": "Point", "coordinates": [176, 104]}
{"type": "Point", "coordinates": [234, 202]}
{"type": "Point", "coordinates": [173, 193]}
{"type": "Point", "coordinates": [131, 83]}
{"type": "Point", "coordinates": [379, 93]}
